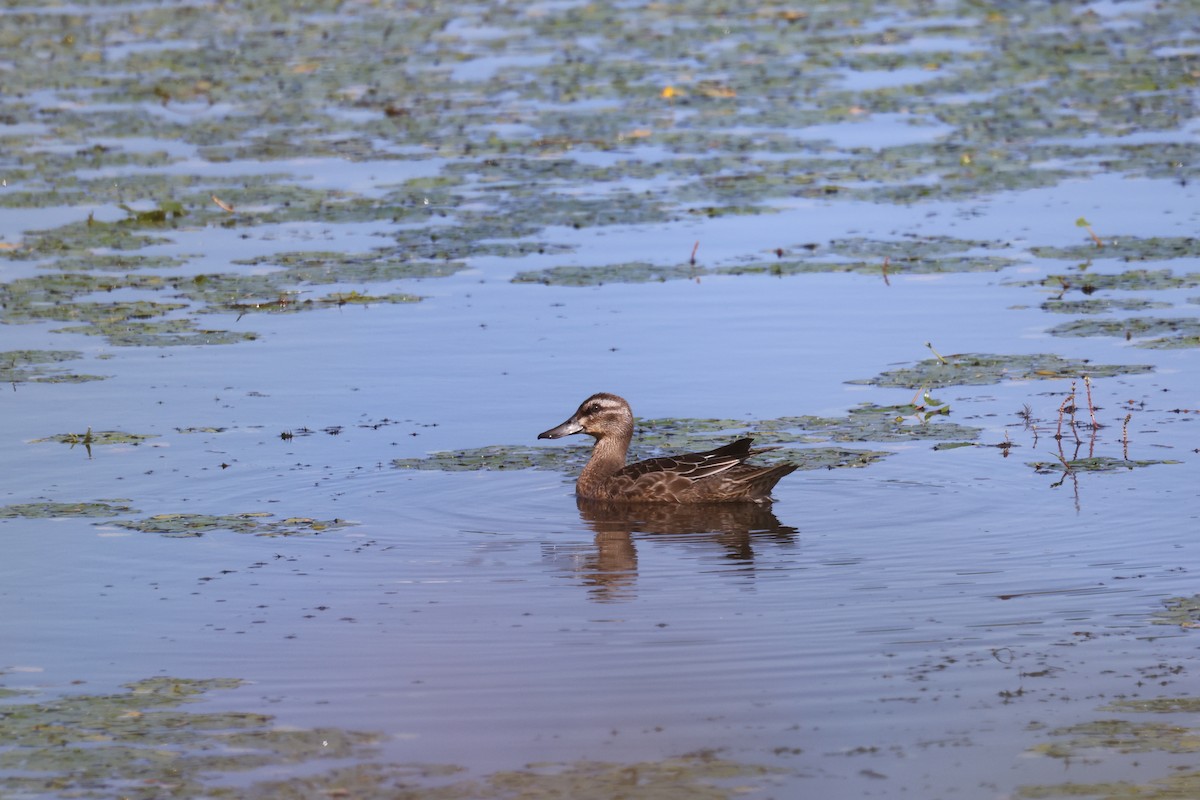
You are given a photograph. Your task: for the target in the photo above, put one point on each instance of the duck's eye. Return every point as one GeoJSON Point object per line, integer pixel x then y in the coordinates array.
{"type": "Point", "coordinates": [593, 409]}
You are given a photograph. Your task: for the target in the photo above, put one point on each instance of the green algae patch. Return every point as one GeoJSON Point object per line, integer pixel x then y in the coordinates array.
{"type": "Point", "coordinates": [35, 366]}
{"type": "Point", "coordinates": [257, 523]}
{"type": "Point", "coordinates": [167, 333]}
{"type": "Point", "coordinates": [1181, 611]}
{"type": "Point", "coordinates": [51, 295]}
{"type": "Point", "coordinates": [1113, 739]}
{"type": "Point", "coordinates": [698, 776]}
{"type": "Point", "coordinates": [281, 289]}
{"type": "Point", "coordinates": [78, 237]}
{"type": "Point", "coordinates": [1173, 787]}
{"type": "Point", "coordinates": [1180, 342]}
{"type": "Point", "coordinates": [629, 272]}
{"type": "Point", "coordinates": [694, 776]}
{"type": "Point", "coordinates": [1096, 464]}
{"type": "Point", "coordinates": [1172, 332]}
{"type": "Point", "coordinates": [913, 255]}
{"type": "Point", "coordinates": [1126, 248]}
{"type": "Point", "coordinates": [1136, 280]}
{"type": "Point", "coordinates": [658, 437]}
{"type": "Point", "coordinates": [324, 267]}
{"type": "Point", "coordinates": [981, 369]}
{"type": "Point", "coordinates": [98, 438]}
{"type": "Point", "coordinates": [571, 459]}
{"type": "Point", "coordinates": [58, 510]}
{"type": "Point", "coordinates": [100, 314]}
{"type": "Point", "coordinates": [1117, 739]}
{"type": "Point", "coordinates": [869, 422]}
{"type": "Point", "coordinates": [885, 266]}
{"type": "Point", "coordinates": [1156, 705]}
{"type": "Point", "coordinates": [145, 743]}
{"type": "Point", "coordinates": [499, 457]}
{"type": "Point", "coordinates": [113, 262]}
{"type": "Point", "coordinates": [1125, 736]}
{"type": "Point", "coordinates": [364, 299]}
{"type": "Point", "coordinates": [1100, 305]}
{"type": "Point", "coordinates": [290, 301]}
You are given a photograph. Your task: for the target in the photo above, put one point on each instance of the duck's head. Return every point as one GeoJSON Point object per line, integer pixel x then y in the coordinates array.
{"type": "Point", "coordinates": [601, 415]}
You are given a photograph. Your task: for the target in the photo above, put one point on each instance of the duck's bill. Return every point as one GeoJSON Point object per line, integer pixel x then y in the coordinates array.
{"type": "Point", "coordinates": [566, 429]}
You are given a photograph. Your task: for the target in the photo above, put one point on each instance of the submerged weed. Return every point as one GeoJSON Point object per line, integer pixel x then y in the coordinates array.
{"type": "Point", "coordinates": [145, 743]}
{"type": "Point", "coordinates": [979, 369]}
{"type": "Point", "coordinates": [258, 523]}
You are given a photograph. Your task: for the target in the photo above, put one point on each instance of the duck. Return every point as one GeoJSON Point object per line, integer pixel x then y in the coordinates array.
{"type": "Point", "coordinates": [714, 476]}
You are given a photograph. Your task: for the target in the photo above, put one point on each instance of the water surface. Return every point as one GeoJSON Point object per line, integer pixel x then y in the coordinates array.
{"type": "Point", "coordinates": [287, 436]}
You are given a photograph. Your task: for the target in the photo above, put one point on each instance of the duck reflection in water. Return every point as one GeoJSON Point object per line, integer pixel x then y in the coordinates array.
{"type": "Point", "coordinates": [731, 529]}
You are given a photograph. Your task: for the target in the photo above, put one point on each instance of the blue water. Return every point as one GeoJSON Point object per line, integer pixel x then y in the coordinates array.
{"type": "Point", "coordinates": [911, 629]}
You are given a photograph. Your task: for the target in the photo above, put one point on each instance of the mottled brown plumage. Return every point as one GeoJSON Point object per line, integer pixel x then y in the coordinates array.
{"type": "Point", "coordinates": [715, 476]}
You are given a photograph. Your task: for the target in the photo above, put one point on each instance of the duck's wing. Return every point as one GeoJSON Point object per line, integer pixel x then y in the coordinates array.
{"type": "Point", "coordinates": [694, 466]}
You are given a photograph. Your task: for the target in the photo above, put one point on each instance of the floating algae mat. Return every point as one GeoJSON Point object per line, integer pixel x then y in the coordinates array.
{"type": "Point", "coordinates": [1117, 738]}
{"type": "Point", "coordinates": [1180, 331]}
{"type": "Point", "coordinates": [1126, 248]}
{"type": "Point", "coordinates": [59, 510]}
{"type": "Point", "coordinates": [911, 255]}
{"type": "Point", "coordinates": [1137, 280]}
{"type": "Point", "coordinates": [1099, 305]}
{"type": "Point", "coordinates": [168, 333]}
{"type": "Point", "coordinates": [257, 523]}
{"type": "Point", "coordinates": [657, 437]}
{"type": "Point", "coordinates": [91, 437]}
{"type": "Point", "coordinates": [1096, 464]}
{"type": "Point", "coordinates": [1181, 611]}
{"type": "Point", "coordinates": [20, 366]}
{"type": "Point", "coordinates": [981, 369]}
{"type": "Point", "coordinates": [572, 459]}
{"type": "Point", "coordinates": [144, 743]}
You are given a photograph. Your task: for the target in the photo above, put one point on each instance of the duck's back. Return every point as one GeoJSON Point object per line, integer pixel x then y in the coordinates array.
{"type": "Point", "coordinates": [714, 476]}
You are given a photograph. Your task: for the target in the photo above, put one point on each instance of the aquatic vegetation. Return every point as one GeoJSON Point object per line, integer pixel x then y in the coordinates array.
{"type": "Point", "coordinates": [979, 369]}
{"type": "Point", "coordinates": [236, 130]}
{"type": "Point", "coordinates": [98, 313]}
{"type": "Point", "coordinates": [169, 333]}
{"type": "Point", "coordinates": [570, 459]}
{"type": "Point", "coordinates": [20, 366]}
{"type": "Point", "coordinates": [52, 296]}
{"type": "Point", "coordinates": [144, 743]}
{"type": "Point", "coordinates": [1137, 280]}
{"type": "Point", "coordinates": [1116, 736]}
{"type": "Point", "coordinates": [57, 510]}
{"type": "Point", "coordinates": [511, 143]}
{"type": "Point", "coordinates": [869, 422]}
{"type": "Point", "coordinates": [1101, 305]}
{"type": "Point", "coordinates": [1125, 248]}
{"type": "Point", "coordinates": [632, 272]}
{"type": "Point", "coordinates": [257, 523]}
{"type": "Point", "coordinates": [140, 743]}
{"type": "Point", "coordinates": [113, 262]}
{"type": "Point", "coordinates": [98, 438]}
{"type": "Point", "coordinates": [1182, 331]}
{"type": "Point", "coordinates": [1156, 705]}
{"type": "Point", "coordinates": [1181, 611]}
{"type": "Point", "coordinates": [657, 437]}
{"type": "Point", "coordinates": [1096, 464]}
{"type": "Point", "coordinates": [911, 255]}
